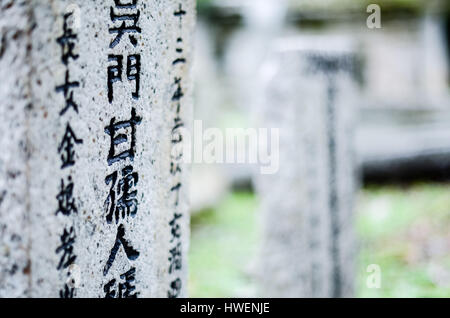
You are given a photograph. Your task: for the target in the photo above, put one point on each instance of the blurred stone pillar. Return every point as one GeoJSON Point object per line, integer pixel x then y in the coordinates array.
{"type": "Point", "coordinates": [93, 195]}
{"type": "Point", "coordinates": [308, 244]}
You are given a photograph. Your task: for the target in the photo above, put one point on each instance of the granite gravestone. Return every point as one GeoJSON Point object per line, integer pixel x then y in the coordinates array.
{"type": "Point", "coordinates": [307, 247]}
{"type": "Point", "coordinates": [93, 190]}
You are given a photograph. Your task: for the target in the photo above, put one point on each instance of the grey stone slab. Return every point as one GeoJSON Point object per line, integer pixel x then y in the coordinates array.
{"type": "Point", "coordinates": [307, 249]}
{"type": "Point", "coordinates": [101, 224]}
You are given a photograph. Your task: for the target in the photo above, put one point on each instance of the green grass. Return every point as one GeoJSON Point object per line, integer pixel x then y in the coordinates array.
{"type": "Point", "coordinates": [222, 245]}
{"type": "Point", "coordinates": [404, 230]}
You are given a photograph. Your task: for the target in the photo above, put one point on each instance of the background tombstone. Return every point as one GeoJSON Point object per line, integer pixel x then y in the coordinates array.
{"type": "Point", "coordinates": [87, 180]}
{"type": "Point", "coordinates": [307, 248]}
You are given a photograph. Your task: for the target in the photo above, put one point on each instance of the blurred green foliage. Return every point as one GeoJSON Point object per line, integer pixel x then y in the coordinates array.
{"type": "Point", "coordinates": [405, 230]}
{"type": "Point", "coordinates": [223, 242]}
{"type": "Point", "coordinates": [203, 4]}
{"type": "Point", "coordinates": [342, 4]}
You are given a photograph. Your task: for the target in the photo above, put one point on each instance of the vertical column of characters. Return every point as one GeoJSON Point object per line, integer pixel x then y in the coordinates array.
{"type": "Point", "coordinates": [121, 202]}
{"type": "Point", "coordinates": [333, 70]}
{"type": "Point", "coordinates": [67, 205]}
{"type": "Point", "coordinates": [176, 256]}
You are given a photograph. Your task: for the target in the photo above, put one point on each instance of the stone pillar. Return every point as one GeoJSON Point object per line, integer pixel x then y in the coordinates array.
{"type": "Point", "coordinates": [93, 199]}
{"type": "Point", "coordinates": [308, 245]}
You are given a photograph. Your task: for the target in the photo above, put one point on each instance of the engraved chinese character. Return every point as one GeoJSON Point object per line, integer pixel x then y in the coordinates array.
{"type": "Point", "coordinates": [175, 228]}
{"type": "Point", "coordinates": [177, 150]}
{"type": "Point", "coordinates": [67, 41]}
{"type": "Point", "coordinates": [66, 147]}
{"type": "Point", "coordinates": [128, 25]}
{"type": "Point", "coordinates": [126, 288]}
{"type": "Point", "coordinates": [180, 12]}
{"type": "Point", "coordinates": [130, 252]}
{"type": "Point", "coordinates": [176, 189]}
{"type": "Point", "coordinates": [178, 94]}
{"type": "Point", "coordinates": [67, 89]}
{"type": "Point", "coordinates": [67, 241]}
{"type": "Point", "coordinates": [119, 138]}
{"type": "Point", "coordinates": [126, 204]}
{"type": "Point", "coordinates": [175, 288]}
{"type": "Point", "coordinates": [66, 292]}
{"type": "Point", "coordinates": [175, 258]}
{"type": "Point", "coordinates": [179, 50]}
{"type": "Point", "coordinates": [66, 203]}
{"type": "Point", "coordinates": [115, 71]}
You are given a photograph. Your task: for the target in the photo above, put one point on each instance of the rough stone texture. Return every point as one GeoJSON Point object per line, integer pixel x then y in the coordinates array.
{"type": "Point", "coordinates": [308, 246]}
{"type": "Point", "coordinates": [14, 96]}
{"type": "Point", "coordinates": [30, 165]}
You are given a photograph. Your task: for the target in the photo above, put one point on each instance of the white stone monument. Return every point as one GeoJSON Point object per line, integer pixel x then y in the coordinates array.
{"type": "Point", "coordinates": [93, 194]}
{"type": "Point", "coordinates": [307, 248]}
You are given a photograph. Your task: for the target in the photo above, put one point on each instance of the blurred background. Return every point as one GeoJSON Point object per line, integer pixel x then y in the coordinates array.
{"type": "Point", "coordinates": [402, 139]}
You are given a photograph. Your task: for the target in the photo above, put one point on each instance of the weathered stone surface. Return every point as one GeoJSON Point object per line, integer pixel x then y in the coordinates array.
{"type": "Point", "coordinates": [53, 212]}
{"type": "Point", "coordinates": [308, 246]}
{"type": "Point", "coordinates": [14, 96]}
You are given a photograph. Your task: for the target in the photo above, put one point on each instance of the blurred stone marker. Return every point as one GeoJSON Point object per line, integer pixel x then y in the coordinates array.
{"type": "Point", "coordinates": [307, 248]}
{"type": "Point", "coordinates": [93, 202]}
